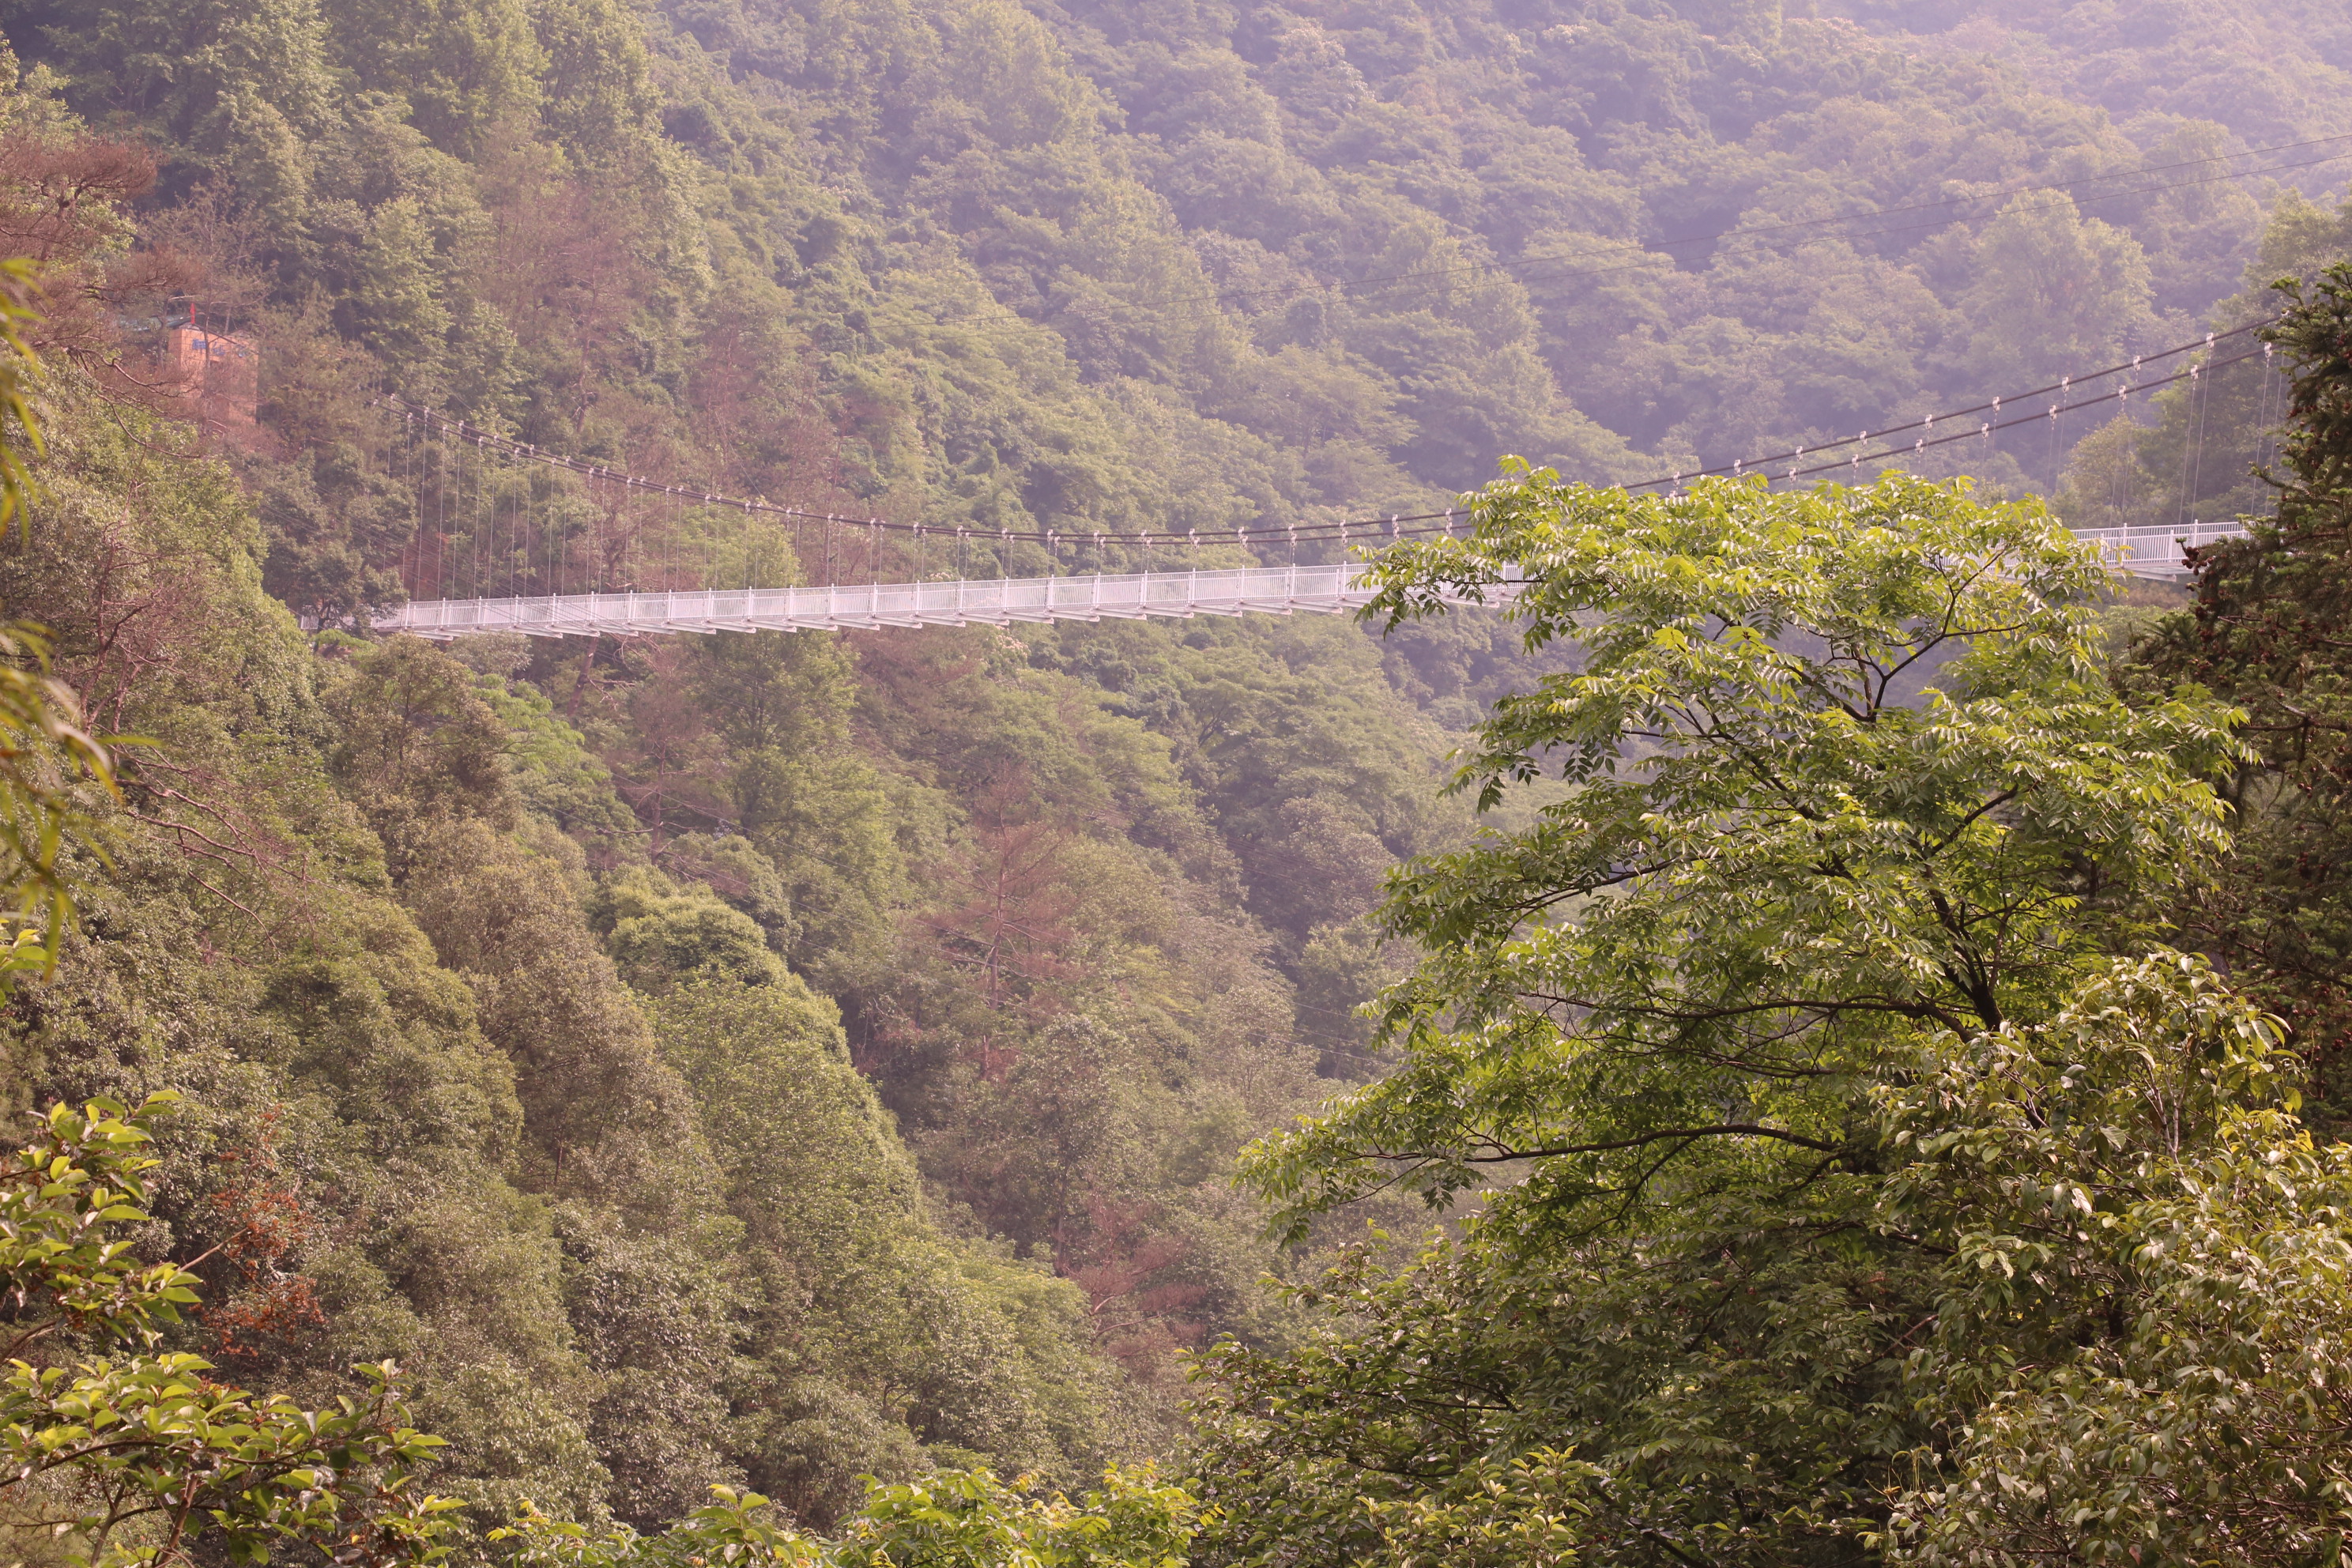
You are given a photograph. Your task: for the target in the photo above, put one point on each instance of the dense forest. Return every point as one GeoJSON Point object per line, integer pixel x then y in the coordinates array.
{"type": "Point", "coordinates": [1814, 1034]}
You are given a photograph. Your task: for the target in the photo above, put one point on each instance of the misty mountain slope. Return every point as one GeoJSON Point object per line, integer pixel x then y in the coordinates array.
{"type": "Point", "coordinates": [831, 1055]}
{"type": "Point", "coordinates": [1413, 212]}
{"type": "Point", "coordinates": [2273, 71]}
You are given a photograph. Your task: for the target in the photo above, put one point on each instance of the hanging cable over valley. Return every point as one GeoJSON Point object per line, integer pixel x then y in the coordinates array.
{"type": "Point", "coordinates": [1974, 422]}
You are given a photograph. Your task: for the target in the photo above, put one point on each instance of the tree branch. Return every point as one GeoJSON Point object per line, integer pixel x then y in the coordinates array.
{"type": "Point", "coordinates": [1724, 1129]}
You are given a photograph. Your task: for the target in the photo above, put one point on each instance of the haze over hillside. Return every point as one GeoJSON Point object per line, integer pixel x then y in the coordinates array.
{"type": "Point", "coordinates": [2272, 72]}
{"type": "Point", "coordinates": [771, 1061]}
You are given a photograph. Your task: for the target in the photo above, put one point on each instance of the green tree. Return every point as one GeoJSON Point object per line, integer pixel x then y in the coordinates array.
{"type": "Point", "coordinates": [465, 67]}
{"type": "Point", "coordinates": [2140, 1351]}
{"type": "Point", "coordinates": [2127, 1342]}
{"type": "Point", "coordinates": [1844, 766]}
{"type": "Point", "coordinates": [230, 87]}
{"type": "Point", "coordinates": [418, 747]}
{"type": "Point", "coordinates": [1846, 791]}
{"type": "Point", "coordinates": [2055, 291]}
{"type": "Point", "coordinates": [2264, 634]}
{"type": "Point", "coordinates": [816, 808]}
{"type": "Point", "coordinates": [344, 1167]}
{"type": "Point", "coordinates": [139, 1458]}
{"type": "Point", "coordinates": [44, 750]}
{"type": "Point", "coordinates": [968, 1519]}
{"type": "Point", "coordinates": [660, 935]}
{"type": "Point", "coordinates": [866, 1341]}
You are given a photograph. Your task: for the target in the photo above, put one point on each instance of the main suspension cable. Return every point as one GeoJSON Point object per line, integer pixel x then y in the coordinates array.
{"type": "Point", "coordinates": [1989, 416]}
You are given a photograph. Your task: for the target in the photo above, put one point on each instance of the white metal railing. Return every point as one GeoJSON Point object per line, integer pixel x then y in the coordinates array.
{"type": "Point", "coordinates": [2156, 552]}
{"type": "Point", "coordinates": [1268, 590]}
{"type": "Point", "coordinates": [1276, 590]}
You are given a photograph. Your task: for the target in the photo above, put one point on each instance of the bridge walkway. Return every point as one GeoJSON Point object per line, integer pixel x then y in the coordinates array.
{"type": "Point", "coordinates": [1177, 596]}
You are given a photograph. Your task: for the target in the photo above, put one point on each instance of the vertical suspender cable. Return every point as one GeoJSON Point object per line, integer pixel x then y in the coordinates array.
{"type": "Point", "coordinates": [441, 508]}
{"type": "Point", "coordinates": [2187, 437]}
{"type": "Point", "coordinates": [2270, 395]}
{"type": "Point", "coordinates": [2200, 389]}
{"type": "Point", "coordinates": [2125, 471]}
{"type": "Point", "coordinates": [476, 535]}
{"type": "Point", "coordinates": [414, 550]}
{"type": "Point", "coordinates": [485, 500]}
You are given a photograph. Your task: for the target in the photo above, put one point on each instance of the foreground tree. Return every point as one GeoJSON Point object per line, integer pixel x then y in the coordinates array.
{"type": "Point", "coordinates": [959, 1520]}
{"type": "Point", "coordinates": [139, 1458]}
{"type": "Point", "coordinates": [1827, 919]}
{"type": "Point", "coordinates": [2141, 1350]}
{"type": "Point", "coordinates": [50, 761]}
{"type": "Point", "coordinates": [119, 1448]}
{"type": "Point", "coordinates": [130, 1453]}
{"type": "Point", "coordinates": [2267, 633]}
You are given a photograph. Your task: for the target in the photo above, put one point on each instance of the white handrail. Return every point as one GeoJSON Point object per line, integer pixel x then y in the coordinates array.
{"type": "Point", "coordinates": [2149, 551]}
{"type": "Point", "coordinates": [1259, 590]}
{"type": "Point", "coordinates": [2156, 551]}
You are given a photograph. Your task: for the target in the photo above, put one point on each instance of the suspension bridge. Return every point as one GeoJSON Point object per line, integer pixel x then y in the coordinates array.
{"type": "Point", "coordinates": [1093, 597]}
{"type": "Point", "coordinates": [1090, 597]}
{"type": "Point", "coordinates": [539, 553]}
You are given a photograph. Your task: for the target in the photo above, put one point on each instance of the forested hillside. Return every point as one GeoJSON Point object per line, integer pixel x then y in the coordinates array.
{"type": "Point", "coordinates": [1676, 205]}
{"type": "Point", "coordinates": [2271, 73]}
{"type": "Point", "coordinates": [769, 1062]}
{"type": "Point", "coordinates": [536, 1005]}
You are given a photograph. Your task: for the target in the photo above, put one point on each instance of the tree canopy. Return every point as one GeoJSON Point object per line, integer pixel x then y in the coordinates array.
{"type": "Point", "coordinates": [1851, 1162]}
